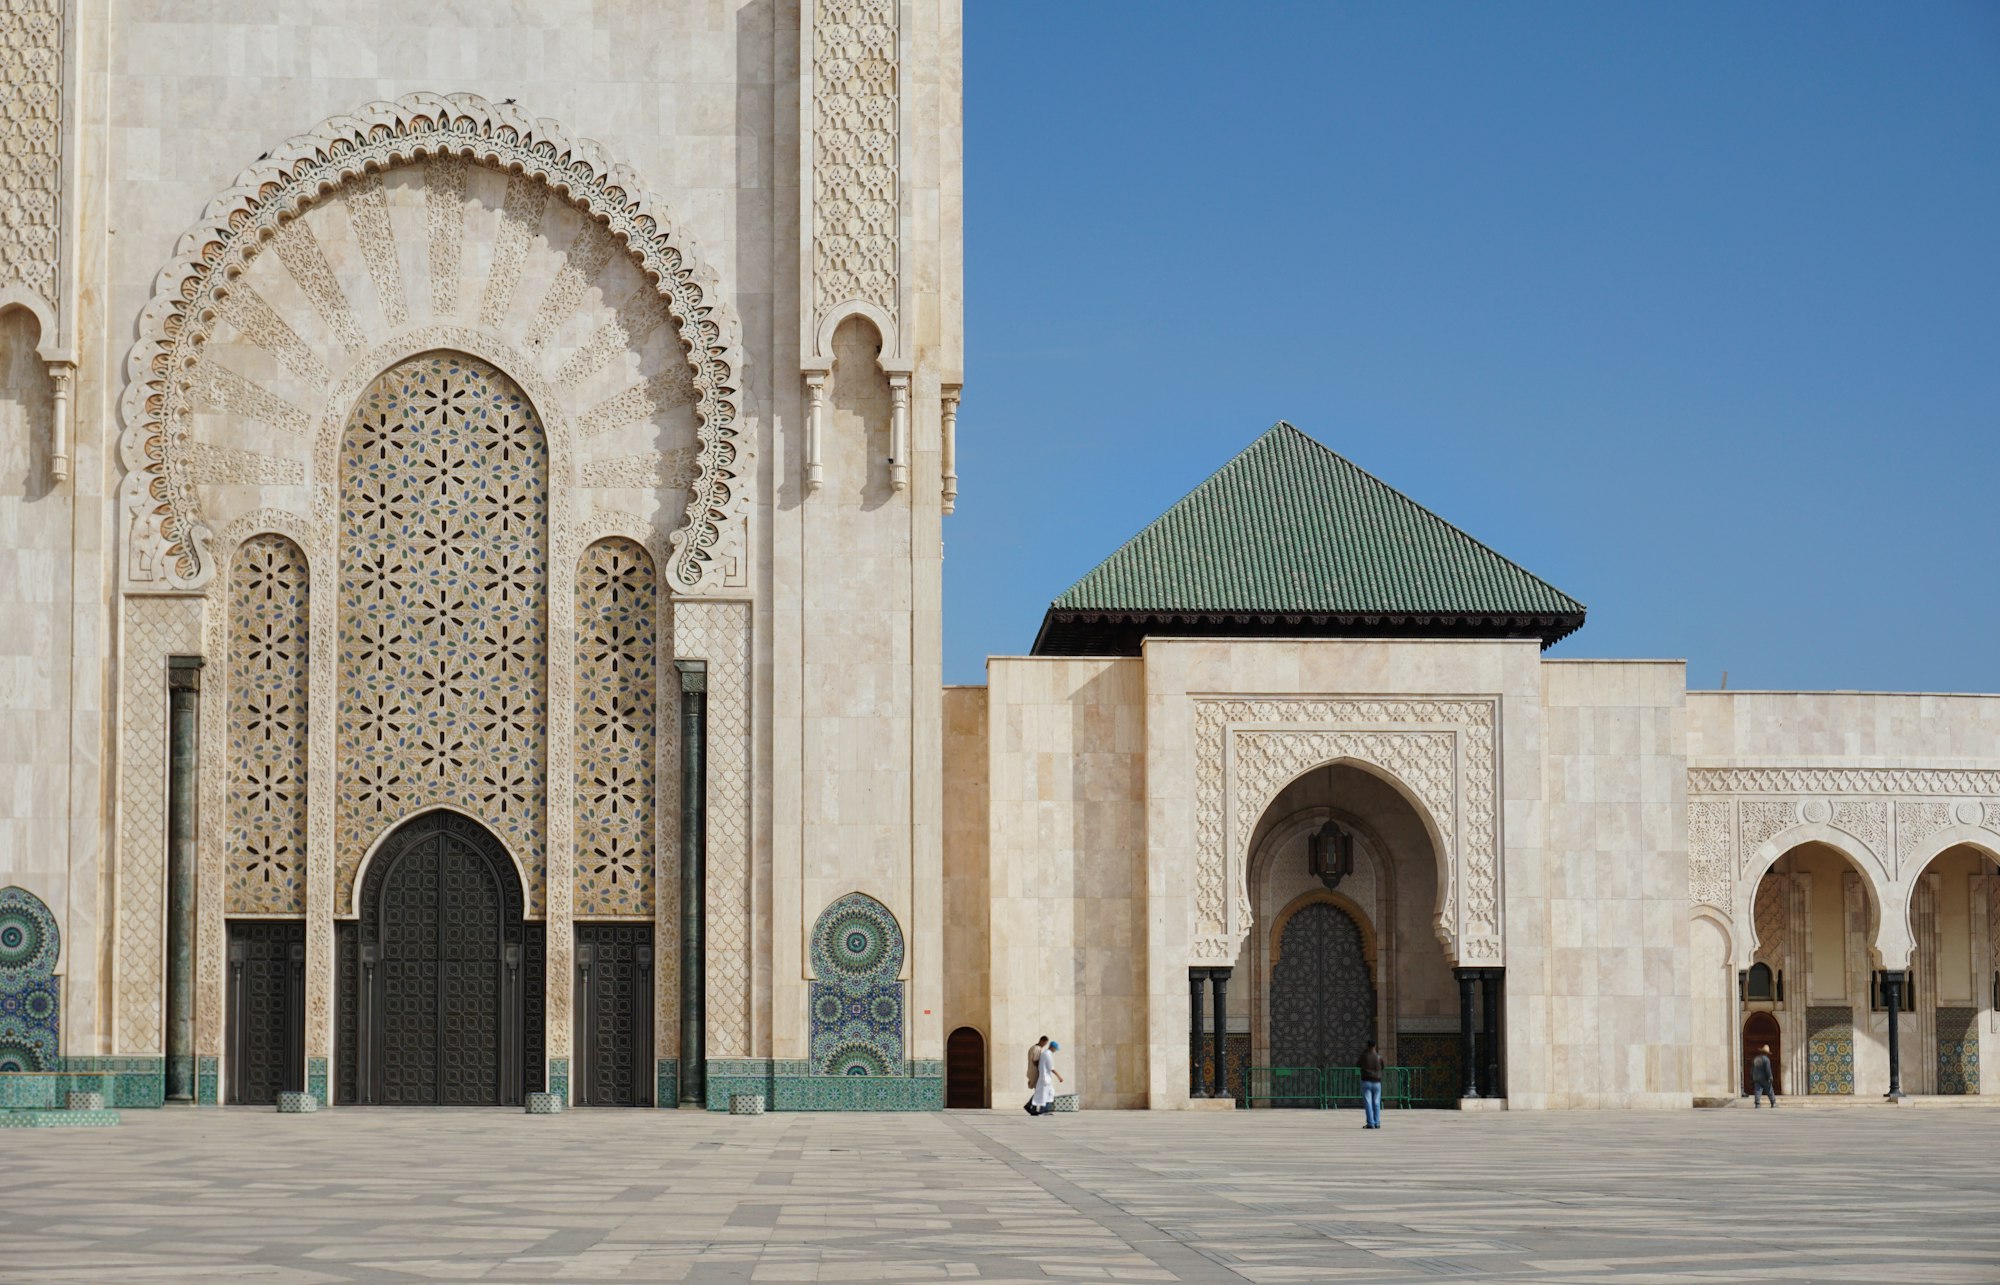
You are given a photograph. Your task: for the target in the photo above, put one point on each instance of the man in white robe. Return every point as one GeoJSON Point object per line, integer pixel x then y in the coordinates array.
{"type": "Point", "coordinates": [1046, 1077]}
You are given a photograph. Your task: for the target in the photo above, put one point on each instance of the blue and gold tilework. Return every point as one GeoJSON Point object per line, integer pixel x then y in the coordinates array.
{"type": "Point", "coordinates": [444, 518]}
{"type": "Point", "coordinates": [1830, 1050]}
{"type": "Point", "coordinates": [617, 685]}
{"type": "Point", "coordinates": [1958, 1050]}
{"type": "Point", "coordinates": [30, 1002]}
{"type": "Point", "coordinates": [857, 999]}
{"type": "Point", "coordinates": [269, 631]}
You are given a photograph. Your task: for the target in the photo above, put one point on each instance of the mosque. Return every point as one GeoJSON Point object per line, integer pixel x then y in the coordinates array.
{"type": "Point", "coordinates": [471, 506]}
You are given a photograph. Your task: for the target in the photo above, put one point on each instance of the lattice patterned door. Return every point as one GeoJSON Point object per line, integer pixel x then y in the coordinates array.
{"type": "Point", "coordinates": [614, 1014]}
{"type": "Point", "coordinates": [1322, 996]}
{"type": "Point", "coordinates": [441, 961]}
{"type": "Point", "coordinates": [266, 1009]}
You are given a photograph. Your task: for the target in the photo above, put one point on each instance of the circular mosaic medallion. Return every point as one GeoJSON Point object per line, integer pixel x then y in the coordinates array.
{"type": "Point", "coordinates": [858, 937]}
{"type": "Point", "coordinates": [27, 934]}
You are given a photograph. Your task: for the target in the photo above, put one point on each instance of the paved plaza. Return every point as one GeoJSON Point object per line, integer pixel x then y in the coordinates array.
{"type": "Point", "coordinates": [354, 1195]}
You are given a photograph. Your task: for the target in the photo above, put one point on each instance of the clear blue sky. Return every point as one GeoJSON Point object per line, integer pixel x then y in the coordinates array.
{"type": "Point", "coordinates": [1693, 310]}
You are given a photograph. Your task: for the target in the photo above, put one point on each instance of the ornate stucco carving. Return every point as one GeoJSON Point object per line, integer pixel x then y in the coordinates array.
{"type": "Point", "coordinates": [1709, 866]}
{"type": "Point", "coordinates": [855, 124]}
{"type": "Point", "coordinates": [650, 470]}
{"type": "Point", "coordinates": [31, 148]}
{"type": "Point", "coordinates": [167, 536]}
{"type": "Point", "coordinates": [1892, 821]}
{"type": "Point", "coordinates": [617, 713]}
{"type": "Point", "coordinates": [1441, 750]}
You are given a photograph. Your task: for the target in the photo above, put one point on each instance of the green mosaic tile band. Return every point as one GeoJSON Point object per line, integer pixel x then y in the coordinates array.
{"type": "Point", "coordinates": [666, 1082]}
{"type": "Point", "coordinates": [208, 1081]}
{"type": "Point", "coordinates": [559, 1079]}
{"type": "Point", "coordinates": [58, 1119]}
{"type": "Point", "coordinates": [786, 1086]}
{"type": "Point", "coordinates": [316, 1078]}
{"type": "Point", "coordinates": [124, 1082]}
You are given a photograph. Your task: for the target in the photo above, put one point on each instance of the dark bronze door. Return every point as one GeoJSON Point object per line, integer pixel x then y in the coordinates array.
{"type": "Point", "coordinates": [614, 1015]}
{"type": "Point", "coordinates": [965, 1068]}
{"type": "Point", "coordinates": [441, 969]}
{"type": "Point", "coordinates": [1322, 996]}
{"type": "Point", "coordinates": [267, 1023]}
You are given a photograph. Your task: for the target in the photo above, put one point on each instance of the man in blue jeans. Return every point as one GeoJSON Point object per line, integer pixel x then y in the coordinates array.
{"type": "Point", "coordinates": [1371, 1085]}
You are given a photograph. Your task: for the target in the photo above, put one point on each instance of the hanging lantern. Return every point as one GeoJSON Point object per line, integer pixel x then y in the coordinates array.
{"type": "Point", "coordinates": [1331, 854]}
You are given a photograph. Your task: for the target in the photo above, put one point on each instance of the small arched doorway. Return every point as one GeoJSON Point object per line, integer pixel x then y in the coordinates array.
{"type": "Point", "coordinates": [1760, 1029]}
{"type": "Point", "coordinates": [440, 993]}
{"type": "Point", "coordinates": [965, 1068]}
{"type": "Point", "coordinates": [1322, 989]}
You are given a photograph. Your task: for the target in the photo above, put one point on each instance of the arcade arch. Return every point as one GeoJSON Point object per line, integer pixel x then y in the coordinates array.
{"type": "Point", "coordinates": [1816, 931]}
{"type": "Point", "coordinates": [1951, 1043]}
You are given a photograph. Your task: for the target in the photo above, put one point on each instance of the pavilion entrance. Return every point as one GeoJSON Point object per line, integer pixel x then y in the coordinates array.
{"type": "Point", "coordinates": [436, 1005]}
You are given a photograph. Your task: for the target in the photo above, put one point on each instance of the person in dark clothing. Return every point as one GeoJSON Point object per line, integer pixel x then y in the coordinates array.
{"type": "Point", "coordinates": [1371, 1086]}
{"type": "Point", "coordinates": [1762, 1083]}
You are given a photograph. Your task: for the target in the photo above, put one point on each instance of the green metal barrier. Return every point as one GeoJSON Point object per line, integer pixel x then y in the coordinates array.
{"type": "Point", "coordinates": [1285, 1086]}
{"type": "Point", "coordinates": [1331, 1088]}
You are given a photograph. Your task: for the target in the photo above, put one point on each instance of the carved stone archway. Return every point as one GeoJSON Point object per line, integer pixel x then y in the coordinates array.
{"type": "Point", "coordinates": [166, 534]}
{"type": "Point", "coordinates": [1439, 753]}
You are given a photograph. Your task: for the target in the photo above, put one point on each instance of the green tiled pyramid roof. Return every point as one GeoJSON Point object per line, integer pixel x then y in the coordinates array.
{"type": "Point", "coordinates": [1290, 539]}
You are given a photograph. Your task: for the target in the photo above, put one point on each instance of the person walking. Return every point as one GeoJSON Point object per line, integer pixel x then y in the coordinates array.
{"type": "Point", "coordinates": [1371, 1086]}
{"type": "Point", "coordinates": [1042, 1077]}
{"type": "Point", "coordinates": [1762, 1083]}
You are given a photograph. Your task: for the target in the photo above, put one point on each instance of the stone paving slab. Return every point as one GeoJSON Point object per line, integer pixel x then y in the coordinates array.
{"type": "Point", "coordinates": [352, 1194]}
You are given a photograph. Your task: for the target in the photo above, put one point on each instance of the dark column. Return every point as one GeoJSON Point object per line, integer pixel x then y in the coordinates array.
{"type": "Point", "coordinates": [1197, 986]}
{"type": "Point", "coordinates": [183, 721]}
{"type": "Point", "coordinates": [1220, 976]}
{"type": "Point", "coordinates": [694, 879]}
{"type": "Point", "coordinates": [1489, 1012]}
{"type": "Point", "coordinates": [1467, 1055]}
{"type": "Point", "coordinates": [1892, 995]}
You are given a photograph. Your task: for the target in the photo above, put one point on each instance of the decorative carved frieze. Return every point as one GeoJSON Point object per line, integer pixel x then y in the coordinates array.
{"type": "Point", "coordinates": [1842, 780]}
{"type": "Point", "coordinates": [1443, 752]}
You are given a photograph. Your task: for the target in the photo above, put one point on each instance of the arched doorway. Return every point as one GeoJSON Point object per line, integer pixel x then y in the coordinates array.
{"type": "Point", "coordinates": [965, 1068]}
{"type": "Point", "coordinates": [1322, 989]}
{"type": "Point", "coordinates": [441, 985]}
{"type": "Point", "coordinates": [1759, 1030]}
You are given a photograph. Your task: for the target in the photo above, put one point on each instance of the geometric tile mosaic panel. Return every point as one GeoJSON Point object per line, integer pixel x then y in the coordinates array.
{"type": "Point", "coordinates": [444, 518]}
{"type": "Point", "coordinates": [269, 628]}
{"type": "Point", "coordinates": [1830, 1050]}
{"type": "Point", "coordinates": [617, 720]}
{"type": "Point", "coordinates": [857, 999]}
{"type": "Point", "coordinates": [1958, 1050]}
{"type": "Point", "coordinates": [30, 1004]}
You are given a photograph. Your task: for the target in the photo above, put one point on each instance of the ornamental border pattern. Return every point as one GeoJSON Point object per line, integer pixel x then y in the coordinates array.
{"type": "Point", "coordinates": [718, 631]}
{"type": "Point", "coordinates": [856, 137]}
{"type": "Point", "coordinates": [1442, 749]}
{"type": "Point", "coordinates": [153, 629]}
{"type": "Point", "coordinates": [167, 545]}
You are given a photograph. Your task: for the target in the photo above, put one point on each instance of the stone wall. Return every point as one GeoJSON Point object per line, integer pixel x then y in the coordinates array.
{"type": "Point", "coordinates": [1067, 758]}
{"type": "Point", "coordinates": [1619, 1012]}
